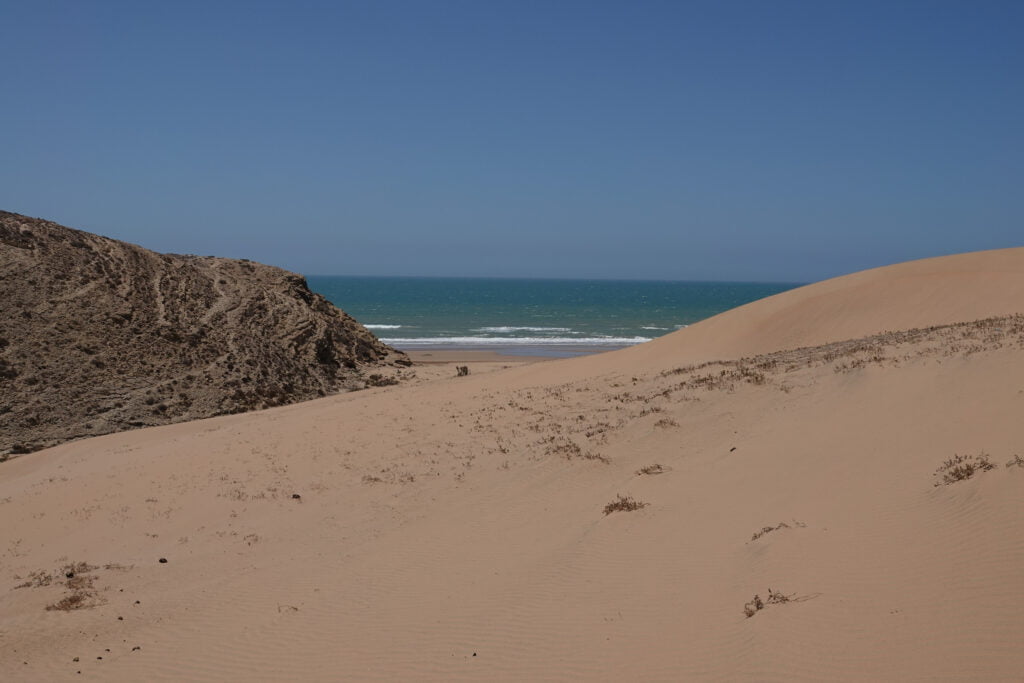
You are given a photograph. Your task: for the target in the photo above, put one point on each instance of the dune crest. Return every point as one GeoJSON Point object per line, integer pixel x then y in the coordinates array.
{"type": "Point", "coordinates": [934, 291]}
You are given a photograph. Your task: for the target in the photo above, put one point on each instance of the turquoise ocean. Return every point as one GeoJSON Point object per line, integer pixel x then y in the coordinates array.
{"type": "Point", "coordinates": [530, 317]}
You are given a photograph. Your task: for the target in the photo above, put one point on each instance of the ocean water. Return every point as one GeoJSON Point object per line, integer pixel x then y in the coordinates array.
{"type": "Point", "coordinates": [534, 317]}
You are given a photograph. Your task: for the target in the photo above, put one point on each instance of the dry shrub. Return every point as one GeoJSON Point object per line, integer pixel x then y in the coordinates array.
{"type": "Point", "coordinates": [651, 469]}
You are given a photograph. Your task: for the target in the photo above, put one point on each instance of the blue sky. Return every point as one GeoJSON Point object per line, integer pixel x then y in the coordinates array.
{"type": "Point", "coordinates": [768, 140]}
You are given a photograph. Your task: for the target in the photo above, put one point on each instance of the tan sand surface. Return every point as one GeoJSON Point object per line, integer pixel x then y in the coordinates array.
{"type": "Point", "coordinates": [453, 528]}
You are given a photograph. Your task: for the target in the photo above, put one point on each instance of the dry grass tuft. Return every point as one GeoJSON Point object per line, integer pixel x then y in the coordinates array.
{"type": "Point", "coordinates": [36, 579]}
{"type": "Point", "coordinates": [569, 449]}
{"type": "Point", "coordinates": [757, 604]}
{"type": "Point", "coordinates": [768, 529]}
{"type": "Point", "coordinates": [753, 607]}
{"type": "Point", "coordinates": [961, 467]}
{"type": "Point", "coordinates": [623, 504]}
{"type": "Point", "coordinates": [652, 469]}
{"type": "Point", "coordinates": [77, 600]}
{"type": "Point", "coordinates": [77, 568]}
{"type": "Point", "coordinates": [76, 577]}
{"type": "Point", "coordinates": [379, 380]}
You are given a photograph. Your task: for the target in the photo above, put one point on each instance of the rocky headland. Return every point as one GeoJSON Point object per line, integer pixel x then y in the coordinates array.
{"type": "Point", "coordinates": [99, 336]}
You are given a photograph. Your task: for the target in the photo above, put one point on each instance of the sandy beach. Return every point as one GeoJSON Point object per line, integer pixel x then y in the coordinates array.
{"type": "Point", "coordinates": [518, 353]}
{"type": "Point", "coordinates": [821, 485]}
{"type": "Point", "coordinates": [456, 356]}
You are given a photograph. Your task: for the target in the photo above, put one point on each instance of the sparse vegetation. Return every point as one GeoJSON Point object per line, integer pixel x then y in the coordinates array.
{"type": "Point", "coordinates": [768, 529]}
{"type": "Point", "coordinates": [76, 568]}
{"type": "Point", "coordinates": [624, 504]}
{"type": "Point", "coordinates": [651, 469]}
{"type": "Point", "coordinates": [845, 356]}
{"type": "Point", "coordinates": [36, 579]}
{"type": "Point", "coordinates": [76, 577]}
{"type": "Point", "coordinates": [752, 607]}
{"type": "Point", "coordinates": [961, 467]}
{"type": "Point", "coordinates": [76, 600]}
{"type": "Point", "coordinates": [569, 449]}
{"type": "Point", "coordinates": [757, 604]}
{"type": "Point", "coordinates": [378, 380]}
{"type": "Point", "coordinates": [1017, 461]}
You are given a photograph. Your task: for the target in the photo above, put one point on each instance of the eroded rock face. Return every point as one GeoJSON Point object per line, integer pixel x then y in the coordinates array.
{"type": "Point", "coordinates": [98, 336]}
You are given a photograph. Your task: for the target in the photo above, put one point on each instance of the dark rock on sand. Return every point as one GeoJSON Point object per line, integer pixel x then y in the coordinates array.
{"type": "Point", "coordinates": [99, 336]}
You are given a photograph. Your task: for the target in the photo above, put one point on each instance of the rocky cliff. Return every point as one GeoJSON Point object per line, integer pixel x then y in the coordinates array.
{"type": "Point", "coordinates": [98, 336]}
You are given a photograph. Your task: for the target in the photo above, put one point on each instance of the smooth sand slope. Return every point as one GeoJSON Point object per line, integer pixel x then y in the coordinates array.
{"type": "Point", "coordinates": [454, 529]}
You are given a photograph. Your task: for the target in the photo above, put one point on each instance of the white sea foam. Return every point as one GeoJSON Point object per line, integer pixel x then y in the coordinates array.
{"type": "Point", "coordinates": [649, 327]}
{"type": "Point", "coordinates": [506, 330]}
{"type": "Point", "coordinates": [378, 326]}
{"type": "Point", "coordinates": [515, 341]}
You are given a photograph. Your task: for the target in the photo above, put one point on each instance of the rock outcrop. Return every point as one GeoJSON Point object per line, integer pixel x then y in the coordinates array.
{"type": "Point", "coordinates": [98, 336]}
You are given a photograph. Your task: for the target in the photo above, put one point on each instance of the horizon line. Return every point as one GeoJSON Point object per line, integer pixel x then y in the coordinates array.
{"type": "Point", "coordinates": [565, 279]}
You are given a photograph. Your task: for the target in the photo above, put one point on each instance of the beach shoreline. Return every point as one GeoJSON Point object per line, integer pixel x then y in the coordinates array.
{"type": "Point", "coordinates": [448, 356]}
{"type": "Point", "coordinates": [520, 354]}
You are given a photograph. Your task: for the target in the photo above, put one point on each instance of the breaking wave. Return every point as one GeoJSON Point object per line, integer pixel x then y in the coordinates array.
{"type": "Point", "coordinates": [514, 341]}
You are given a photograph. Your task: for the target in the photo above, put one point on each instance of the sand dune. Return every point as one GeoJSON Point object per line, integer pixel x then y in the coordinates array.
{"type": "Point", "coordinates": [455, 529]}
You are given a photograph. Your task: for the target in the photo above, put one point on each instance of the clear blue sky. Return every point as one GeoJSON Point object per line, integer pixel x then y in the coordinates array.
{"type": "Point", "coordinates": [765, 140]}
